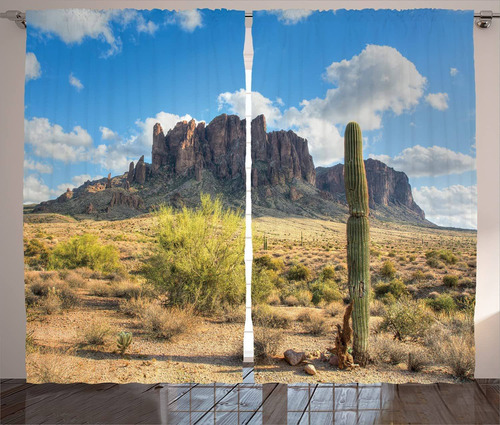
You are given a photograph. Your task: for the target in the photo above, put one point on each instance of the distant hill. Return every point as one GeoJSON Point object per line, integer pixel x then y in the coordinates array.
{"type": "Point", "coordinates": [197, 157]}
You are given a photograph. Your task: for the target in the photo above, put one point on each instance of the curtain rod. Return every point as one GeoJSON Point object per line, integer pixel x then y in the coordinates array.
{"type": "Point", "coordinates": [484, 17]}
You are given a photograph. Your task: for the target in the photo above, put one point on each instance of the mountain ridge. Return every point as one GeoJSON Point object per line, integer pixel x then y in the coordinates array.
{"type": "Point", "coordinates": [196, 157]}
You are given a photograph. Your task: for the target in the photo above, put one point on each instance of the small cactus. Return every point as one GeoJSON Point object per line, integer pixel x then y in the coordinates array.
{"type": "Point", "coordinates": [123, 341]}
{"type": "Point", "coordinates": [265, 243]}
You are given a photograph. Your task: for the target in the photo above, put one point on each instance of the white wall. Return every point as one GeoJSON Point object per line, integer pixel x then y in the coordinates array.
{"type": "Point", "coordinates": [12, 49]}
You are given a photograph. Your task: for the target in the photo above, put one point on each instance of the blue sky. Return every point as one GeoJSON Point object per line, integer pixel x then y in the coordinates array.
{"type": "Point", "coordinates": [407, 77]}
{"type": "Point", "coordinates": [97, 81]}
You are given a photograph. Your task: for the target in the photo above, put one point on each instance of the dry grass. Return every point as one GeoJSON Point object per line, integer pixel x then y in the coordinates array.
{"type": "Point", "coordinates": [266, 344]}
{"type": "Point", "coordinates": [270, 317]}
{"type": "Point", "coordinates": [168, 323]}
{"type": "Point", "coordinates": [95, 333]}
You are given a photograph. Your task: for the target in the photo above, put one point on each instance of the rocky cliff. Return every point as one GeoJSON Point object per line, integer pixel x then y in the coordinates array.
{"type": "Point", "coordinates": [386, 186]}
{"type": "Point", "coordinates": [196, 157]}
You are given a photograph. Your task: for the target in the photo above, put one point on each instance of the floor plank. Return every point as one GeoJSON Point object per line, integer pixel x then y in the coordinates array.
{"type": "Point", "coordinates": [227, 404]}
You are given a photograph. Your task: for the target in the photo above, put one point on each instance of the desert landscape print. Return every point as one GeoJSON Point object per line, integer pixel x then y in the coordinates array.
{"type": "Point", "coordinates": [134, 210]}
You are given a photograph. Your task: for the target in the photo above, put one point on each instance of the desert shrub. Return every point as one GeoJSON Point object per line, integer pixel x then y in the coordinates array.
{"type": "Point", "coordinates": [198, 259]}
{"type": "Point", "coordinates": [126, 289]}
{"type": "Point", "coordinates": [377, 308]}
{"type": "Point", "coordinates": [328, 273]}
{"type": "Point", "coordinates": [304, 297]}
{"type": "Point", "coordinates": [30, 342]}
{"type": "Point", "coordinates": [100, 289]}
{"type": "Point", "coordinates": [30, 299]}
{"type": "Point", "coordinates": [134, 306]}
{"type": "Point", "coordinates": [385, 349]}
{"type": "Point", "coordinates": [73, 278]}
{"type": "Point", "coordinates": [234, 314]}
{"type": "Point", "coordinates": [84, 251]}
{"type": "Point", "coordinates": [40, 288]}
{"type": "Point", "coordinates": [273, 298]}
{"type": "Point", "coordinates": [442, 303]}
{"type": "Point", "coordinates": [391, 254]}
{"type": "Point", "coordinates": [450, 280]}
{"type": "Point", "coordinates": [457, 352]}
{"type": "Point", "coordinates": [50, 369]}
{"type": "Point", "coordinates": [388, 270]}
{"type": "Point", "coordinates": [407, 318]}
{"type": "Point", "coordinates": [68, 296]}
{"type": "Point", "coordinates": [305, 316]}
{"type": "Point", "coordinates": [334, 309]}
{"type": "Point", "coordinates": [444, 255]}
{"type": "Point", "coordinates": [326, 291]}
{"type": "Point", "coordinates": [298, 272]}
{"type": "Point", "coordinates": [435, 263]}
{"type": "Point", "coordinates": [412, 258]}
{"type": "Point", "coordinates": [267, 262]}
{"type": "Point", "coordinates": [168, 323]}
{"type": "Point", "coordinates": [417, 359]}
{"type": "Point", "coordinates": [95, 333]}
{"type": "Point", "coordinates": [36, 253]}
{"type": "Point", "coordinates": [396, 287]}
{"type": "Point", "coordinates": [266, 344]}
{"type": "Point", "coordinates": [467, 282]}
{"type": "Point", "coordinates": [264, 315]}
{"type": "Point", "coordinates": [262, 285]}
{"type": "Point", "coordinates": [51, 303]}
{"type": "Point", "coordinates": [291, 301]}
{"type": "Point", "coordinates": [317, 325]}
{"type": "Point", "coordinates": [418, 276]}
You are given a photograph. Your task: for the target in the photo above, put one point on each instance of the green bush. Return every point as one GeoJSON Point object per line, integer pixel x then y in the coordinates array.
{"type": "Point", "coordinates": [267, 262]}
{"type": "Point", "coordinates": [326, 291]}
{"type": "Point", "coordinates": [388, 270]}
{"type": "Point", "coordinates": [442, 303]}
{"type": "Point", "coordinates": [396, 287]}
{"type": "Point", "coordinates": [262, 285]}
{"type": "Point", "coordinates": [84, 251]}
{"type": "Point", "coordinates": [407, 318]}
{"type": "Point", "coordinates": [450, 280]}
{"type": "Point", "coordinates": [298, 272]}
{"type": "Point", "coordinates": [328, 273]}
{"type": "Point", "coordinates": [199, 256]}
{"type": "Point", "coordinates": [264, 315]}
{"type": "Point", "coordinates": [36, 253]}
{"type": "Point", "coordinates": [444, 255]}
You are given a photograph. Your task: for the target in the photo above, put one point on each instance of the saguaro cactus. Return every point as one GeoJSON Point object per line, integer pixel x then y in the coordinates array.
{"type": "Point", "coordinates": [358, 240]}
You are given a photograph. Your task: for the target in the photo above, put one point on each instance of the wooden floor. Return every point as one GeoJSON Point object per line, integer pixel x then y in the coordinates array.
{"type": "Point", "coordinates": [247, 403]}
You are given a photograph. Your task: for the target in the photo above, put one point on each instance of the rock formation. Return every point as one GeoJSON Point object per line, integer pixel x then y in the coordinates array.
{"type": "Point", "coordinates": [140, 171]}
{"type": "Point", "coordinates": [386, 186]}
{"type": "Point", "coordinates": [279, 156]}
{"type": "Point", "coordinates": [122, 198]}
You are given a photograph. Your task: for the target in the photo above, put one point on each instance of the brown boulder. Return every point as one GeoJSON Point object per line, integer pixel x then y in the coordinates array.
{"type": "Point", "coordinates": [294, 357]}
{"type": "Point", "coordinates": [140, 171]}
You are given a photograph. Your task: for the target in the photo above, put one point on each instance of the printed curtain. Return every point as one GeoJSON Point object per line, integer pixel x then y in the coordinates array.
{"type": "Point", "coordinates": [376, 217]}
{"type": "Point", "coordinates": [363, 196]}
{"type": "Point", "coordinates": [134, 196]}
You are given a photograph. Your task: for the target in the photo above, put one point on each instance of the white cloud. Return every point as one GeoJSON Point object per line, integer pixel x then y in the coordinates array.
{"type": "Point", "coordinates": [30, 164]}
{"type": "Point", "coordinates": [453, 71]}
{"type": "Point", "coordinates": [75, 25]}
{"type": "Point", "coordinates": [35, 190]}
{"type": "Point", "coordinates": [76, 181]}
{"type": "Point", "coordinates": [235, 103]}
{"type": "Point", "coordinates": [376, 81]}
{"type": "Point", "coordinates": [117, 156]}
{"type": "Point", "coordinates": [419, 161]}
{"type": "Point", "coordinates": [51, 141]}
{"type": "Point", "coordinates": [453, 206]}
{"type": "Point", "coordinates": [291, 16]}
{"type": "Point", "coordinates": [108, 134]}
{"type": "Point", "coordinates": [188, 20]}
{"type": "Point", "coordinates": [75, 82]}
{"type": "Point", "coordinates": [148, 27]}
{"type": "Point", "coordinates": [438, 101]}
{"type": "Point", "coordinates": [33, 69]}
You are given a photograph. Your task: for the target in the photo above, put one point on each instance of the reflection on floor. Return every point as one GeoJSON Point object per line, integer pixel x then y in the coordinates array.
{"type": "Point", "coordinates": [248, 403]}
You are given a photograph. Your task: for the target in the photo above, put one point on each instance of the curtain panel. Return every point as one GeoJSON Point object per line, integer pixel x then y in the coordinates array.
{"type": "Point", "coordinates": [363, 196]}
